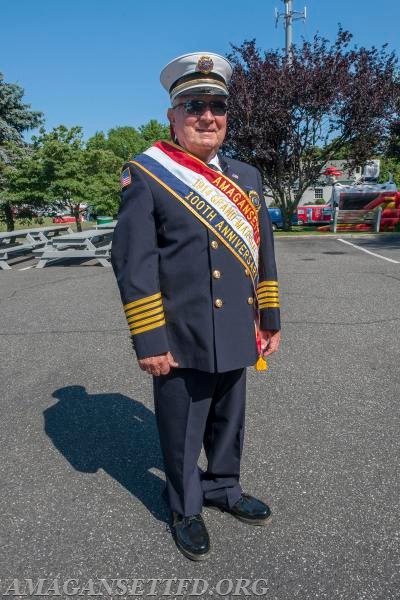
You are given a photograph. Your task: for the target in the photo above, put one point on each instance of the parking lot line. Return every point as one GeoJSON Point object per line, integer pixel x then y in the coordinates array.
{"type": "Point", "coordinates": [25, 268]}
{"type": "Point", "coordinates": [369, 252]}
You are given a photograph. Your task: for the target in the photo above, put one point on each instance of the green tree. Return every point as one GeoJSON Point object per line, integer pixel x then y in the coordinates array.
{"type": "Point", "coordinates": [16, 117]}
{"type": "Point", "coordinates": [61, 170]}
{"type": "Point", "coordinates": [390, 161]}
{"type": "Point", "coordinates": [127, 141]}
{"type": "Point", "coordinates": [103, 169]}
{"type": "Point", "coordinates": [26, 186]}
{"type": "Point", "coordinates": [153, 131]}
{"type": "Point", "coordinates": [390, 167]}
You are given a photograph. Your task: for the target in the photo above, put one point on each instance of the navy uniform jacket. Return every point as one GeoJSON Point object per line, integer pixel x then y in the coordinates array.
{"type": "Point", "coordinates": [183, 291]}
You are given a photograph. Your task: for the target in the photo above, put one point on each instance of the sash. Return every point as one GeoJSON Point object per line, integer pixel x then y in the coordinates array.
{"type": "Point", "coordinates": [219, 203]}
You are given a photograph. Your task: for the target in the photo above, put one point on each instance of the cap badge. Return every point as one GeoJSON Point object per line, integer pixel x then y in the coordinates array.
{"type": "Point", "coordinates": [255, 199]}
{"type": "Point", "coordinates": [205, 64]}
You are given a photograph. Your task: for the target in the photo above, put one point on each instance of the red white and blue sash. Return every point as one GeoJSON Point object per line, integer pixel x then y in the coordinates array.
{"type": "Point", "coordinates": [219, 203]}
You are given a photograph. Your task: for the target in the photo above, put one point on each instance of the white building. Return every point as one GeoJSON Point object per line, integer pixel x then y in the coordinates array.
{"type": "Point", "coordinates": [321, 191]}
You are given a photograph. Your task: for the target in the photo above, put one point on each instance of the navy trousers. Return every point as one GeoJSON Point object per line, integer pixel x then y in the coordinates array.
{"type": "Point", "coordinates": [194, 409]}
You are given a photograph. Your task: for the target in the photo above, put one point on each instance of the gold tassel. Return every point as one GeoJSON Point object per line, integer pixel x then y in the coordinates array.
{"type": "Point", "coordinates": [261, 364]}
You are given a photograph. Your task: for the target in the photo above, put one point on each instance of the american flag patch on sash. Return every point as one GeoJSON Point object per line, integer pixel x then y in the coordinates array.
{"type": "Point", "coordinates": [126, 178]}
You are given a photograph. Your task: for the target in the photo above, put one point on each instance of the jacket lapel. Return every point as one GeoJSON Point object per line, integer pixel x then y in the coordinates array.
{"type": "Point", "coordinates": [224, 164]}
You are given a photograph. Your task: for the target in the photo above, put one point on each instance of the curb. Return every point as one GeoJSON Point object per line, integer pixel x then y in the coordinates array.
{"type": "Point", "coordinates": [339, 234]}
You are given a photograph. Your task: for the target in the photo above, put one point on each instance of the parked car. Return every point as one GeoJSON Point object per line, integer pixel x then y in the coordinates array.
{"type": "Point", "coordinates": [66, 219]}
{"type": "Point", "coordinates": [277, 218]}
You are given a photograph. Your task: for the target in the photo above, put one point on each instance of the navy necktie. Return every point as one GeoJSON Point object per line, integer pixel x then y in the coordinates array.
{"type": "Point", "coordinates": [214, 167]}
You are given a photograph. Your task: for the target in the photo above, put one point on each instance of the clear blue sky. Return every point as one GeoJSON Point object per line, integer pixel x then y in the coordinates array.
{"type": "Point", "coordinates": [96, 63]}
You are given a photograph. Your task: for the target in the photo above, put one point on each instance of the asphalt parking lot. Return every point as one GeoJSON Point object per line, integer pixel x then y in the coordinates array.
{"type": "Point", "coordinates": [81, 471]}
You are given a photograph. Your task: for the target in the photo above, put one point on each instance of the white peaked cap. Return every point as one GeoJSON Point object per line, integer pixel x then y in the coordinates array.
{"type": "Point", "coordinates": [197, 73]}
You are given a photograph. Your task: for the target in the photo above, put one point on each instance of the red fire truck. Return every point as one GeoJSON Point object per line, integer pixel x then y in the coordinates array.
{"type": "Point", "coordinates": [313, 214]}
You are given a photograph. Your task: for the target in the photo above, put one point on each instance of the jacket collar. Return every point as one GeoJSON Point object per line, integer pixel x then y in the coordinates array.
{"type": "Point", "coordinates": [223, 162]}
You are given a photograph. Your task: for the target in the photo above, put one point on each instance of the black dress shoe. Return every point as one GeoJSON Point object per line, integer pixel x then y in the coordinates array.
{"type": "Point", "coordinates": [247, 509]}
{"type": "Point", "coordinates": [191, 536]}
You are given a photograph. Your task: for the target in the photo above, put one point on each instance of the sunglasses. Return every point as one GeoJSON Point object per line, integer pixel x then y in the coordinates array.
{"type": "Point", "coordinates": [198, 107]}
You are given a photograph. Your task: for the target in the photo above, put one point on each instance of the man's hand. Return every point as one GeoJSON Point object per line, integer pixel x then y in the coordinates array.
{"type": "Point", "coordinates": [158, 365]}
{"type": "Point", "coordinates": [270, 341]}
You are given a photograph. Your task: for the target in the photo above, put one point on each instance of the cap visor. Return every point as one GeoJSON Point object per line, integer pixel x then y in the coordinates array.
{"type": "Point", "coordinates": [199, 89]}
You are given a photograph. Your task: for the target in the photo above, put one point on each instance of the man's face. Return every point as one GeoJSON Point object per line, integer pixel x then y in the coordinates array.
{"type": "Point", "coordinates": [203, 134]}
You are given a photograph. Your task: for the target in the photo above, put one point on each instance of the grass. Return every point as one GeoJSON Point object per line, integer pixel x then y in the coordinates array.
{"type": "Point", "coordinates": [301, 230]}
{"type": "Point", "coordinates": [306, 230]}
{"type": "Point", "coordinates": [296, 229]}
{"type": "Point", "coordinates": [44, 222]}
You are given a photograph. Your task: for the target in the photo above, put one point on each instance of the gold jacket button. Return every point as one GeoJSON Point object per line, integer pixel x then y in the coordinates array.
{"type": "Point", "coordinates": [250, 300]}
{"type": "Point", "coordinates": [218, 303]}
{"type": "Point", "coordinates": [216, 274]}
{"type": "Point", "coordinates": [214, 244]}
{"type": "Point", "coordinates": [247, 272]}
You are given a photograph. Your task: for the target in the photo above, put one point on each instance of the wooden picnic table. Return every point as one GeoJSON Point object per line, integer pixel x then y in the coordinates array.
{"type": "Point", "coordinates": [110, 225]}
{"type": "Point", "coordinates": [22, 241]}
{"type": "Point", "coordinates": [91, 243]}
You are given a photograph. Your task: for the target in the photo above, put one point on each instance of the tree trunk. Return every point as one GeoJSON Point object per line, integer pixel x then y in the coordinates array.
{"type": "Point", "coordinates": [287, 213]}
{"type": "Point", "coordinates": [9, 217]}
{"type": "Point", "coordinates": [77, 216]}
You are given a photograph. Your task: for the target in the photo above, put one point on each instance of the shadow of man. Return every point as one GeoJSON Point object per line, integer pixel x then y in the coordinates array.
{"type": "Point", "coordinates": [110, 432]}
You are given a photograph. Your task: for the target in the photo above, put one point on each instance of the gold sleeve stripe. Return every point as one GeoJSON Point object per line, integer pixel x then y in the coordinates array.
{"type": "Point", "coordinates": [267, 290]}
{"type": "Point", "coordinates": [268, 305]}
{"type": "Point", "coordinates": [137, 324]}
{"type": "Point", "coordinates": [148, 327]}
{"type": "Point", "coordinates": [142, 301]}
{"type": "Point", "coordinates": [264, 283]}
{"type": "Point", "coordinates": [273, 296]}
{"type": "Point", "coordinates": [142, 309]}
{"type": "Point", "coordinates": [267, 295]}
{"type": "Point", "coordinates": [269, 301]}
{"type": "Point", "coordinates": [143, 316]}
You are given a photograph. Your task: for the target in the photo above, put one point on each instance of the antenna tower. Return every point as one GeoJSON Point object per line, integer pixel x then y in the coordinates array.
{"type": "Point", "coordinates": [288, 17]}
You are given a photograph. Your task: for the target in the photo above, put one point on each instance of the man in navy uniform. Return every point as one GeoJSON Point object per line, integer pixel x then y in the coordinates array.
{"type": "Point", "coordinates": [194, 260]}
